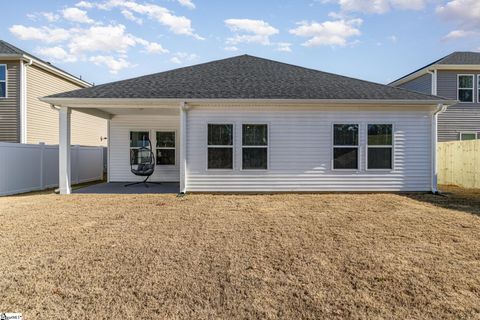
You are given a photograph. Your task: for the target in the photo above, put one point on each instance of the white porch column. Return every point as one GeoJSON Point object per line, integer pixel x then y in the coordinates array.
{"type": "Point", "coordinates": [64, 149]}
{"type": "Point", "coordinates": [183, 147]}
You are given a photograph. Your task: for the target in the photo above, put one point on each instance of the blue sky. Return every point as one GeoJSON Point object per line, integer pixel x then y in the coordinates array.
{"type": "Point", "coordinates": [376, 40]}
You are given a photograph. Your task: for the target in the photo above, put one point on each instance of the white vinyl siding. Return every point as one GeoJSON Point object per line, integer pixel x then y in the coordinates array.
{"type": "Point", "coordinates": [119, 139]}
{"type": "Point", "coordinates": [300, 150]}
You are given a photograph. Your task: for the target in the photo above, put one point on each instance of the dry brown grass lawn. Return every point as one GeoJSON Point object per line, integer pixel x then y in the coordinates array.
{"type": "Point", "coordinates": [332, 256]}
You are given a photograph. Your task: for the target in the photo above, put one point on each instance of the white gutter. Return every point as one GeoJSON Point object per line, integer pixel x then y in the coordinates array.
{"type": "Point", "coordinates": [434, 181]}
{"type": "Point", "coordinates": [145, 102]}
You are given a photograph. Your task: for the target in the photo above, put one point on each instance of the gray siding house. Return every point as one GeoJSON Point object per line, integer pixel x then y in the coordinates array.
{"type": "Point", "coordinates": [456, 76]}
{"type": "Point", "coordinates": [25, 78]}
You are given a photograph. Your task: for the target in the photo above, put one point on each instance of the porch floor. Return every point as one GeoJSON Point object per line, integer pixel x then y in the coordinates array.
{"type": "Point", "coordinates": [119, 188]}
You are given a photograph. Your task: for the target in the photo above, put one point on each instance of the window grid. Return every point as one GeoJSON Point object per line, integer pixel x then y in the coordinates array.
{"type": "Point", "coordinates": [166, 148]}
{"type": "Point", "coordinates": [390, 146]}
{"type": "Point", "coordinates": [137, 148]}
{"type": "Point", "coordinates": [335, 146]}
{"type": "Point", "coordinates": [230, 146]}
{"type": "Point", "coordinates": [472, 77]}
{"type": "Point", "coordinates": [266, 146]}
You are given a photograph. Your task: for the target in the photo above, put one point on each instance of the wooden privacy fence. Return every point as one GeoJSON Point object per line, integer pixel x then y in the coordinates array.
{"type": "Point", "coordinates": [459, 163]}
{"type": "Point", "coordinates": [29, 167]}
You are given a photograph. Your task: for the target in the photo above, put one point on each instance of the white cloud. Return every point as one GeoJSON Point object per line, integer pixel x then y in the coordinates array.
{"type": "Point", "coordinates": [44, 34]}
{"type": "Point", "coordinates": [466, 12]}
{"type": "Point", "coordinates": [176, 24]}
{"type": "Point", "coordinates": [56, 53]}
{"type": "Point", "coordinates": [85, 4]}
{"type": "Point", "coordinates": [152, 47]}
{"type": "Point", "coordinates": [230, 48]}
{"type": "Point", "coordinates": [331, 33]}
{"type": "Point", "coordinates": [183, 57]}
{"type": "Point", "coordinates": [458, 34]}
{"type": "Point", "coordinates": [284, 47]}
{"type": "Point", "coordinates": [113, 65]}
{"type": "Point", "coordinates": [102, 38]}
{"type": "Point", "coordinates": [187, 3]}
{"type": "Point", "coordinates": [130, 16]}
{"type": "Point", "coordinates": [76, 15]}
{"type": "Point", "coordinates": [49, 16]}
{"type": "Point", "coordinates": [379, 6]}
{"type": "Point", "coordinates": [250, 31]}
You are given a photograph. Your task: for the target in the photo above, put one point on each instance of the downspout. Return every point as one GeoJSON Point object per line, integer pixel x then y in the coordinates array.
{"type": "Point", "coordinates": [23, 99]}
{"type": "Point", "coordinates": [440, 108]}
{"type": "Point", "coordinates": [183, 147]}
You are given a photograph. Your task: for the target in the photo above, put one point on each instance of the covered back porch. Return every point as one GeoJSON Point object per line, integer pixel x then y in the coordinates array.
{"type": "Point", "coordinates": [130, 124]}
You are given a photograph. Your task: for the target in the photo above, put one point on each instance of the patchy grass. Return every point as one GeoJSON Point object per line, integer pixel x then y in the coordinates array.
{"type": "Point", "coordinates": [335, 256]}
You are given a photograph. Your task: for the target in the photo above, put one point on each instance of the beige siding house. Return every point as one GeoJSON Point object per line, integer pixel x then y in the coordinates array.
{"type": "Point", "coordinates": [26, 119]}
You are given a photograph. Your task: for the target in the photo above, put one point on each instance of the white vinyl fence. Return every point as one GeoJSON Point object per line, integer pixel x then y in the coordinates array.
{"type": "Point", "coordinates": [29, 167]}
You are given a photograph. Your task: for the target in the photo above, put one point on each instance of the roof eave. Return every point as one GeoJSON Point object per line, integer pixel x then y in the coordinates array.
{"type": "Point", "coordinates": [434, 67]}
{"type": "Point", "coordinates": [143, 102]}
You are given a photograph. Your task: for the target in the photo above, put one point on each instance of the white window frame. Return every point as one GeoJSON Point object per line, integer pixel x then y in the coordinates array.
{"type": "Point", "coordinates": [477, 135]}
{"type": "Point", "coordinates": [262, 147]}
{"type": "Point", "coordinates": [6, 81]}
{"type": "Point", "coordinates": [478, 90]}
{"type": "Point", "coordinates": [392, 146]}
{"type": "Point", "coordinates": [220, 146]}
{"type": "Point", "coordinates": [132, 148]}
{"type": "Point", "coordinates": [472, 88]}
{"type": "Point", "coordinates": [166, 148]}
{"type": "Point", "coordinates": [345, 146]}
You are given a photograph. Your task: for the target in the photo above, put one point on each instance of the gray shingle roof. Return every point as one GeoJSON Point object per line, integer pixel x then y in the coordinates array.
{"type": "Point", "coordinates": [245, 77]}
{"type": "Point", "coordinates": [9, 49]}
{"type": "Point", "coordinates": [461, 58]}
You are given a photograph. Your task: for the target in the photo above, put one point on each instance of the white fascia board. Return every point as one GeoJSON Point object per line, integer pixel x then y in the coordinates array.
{"type": "Point", "coordinates": [168, 103]}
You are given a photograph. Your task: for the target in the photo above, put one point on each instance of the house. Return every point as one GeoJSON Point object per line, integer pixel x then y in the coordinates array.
{"type": "Point", "coordinates": [247, 124]}
{"type": "Point", "coordinates": [23, 117]}
{"type": "Point", "coordinates": [457, 77]}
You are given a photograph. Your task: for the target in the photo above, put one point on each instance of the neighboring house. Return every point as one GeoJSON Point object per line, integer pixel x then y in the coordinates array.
{"type": "Point", "coordinates": [247, 124]}
{"type": "Point", "coordinates": [456, 76]}
{"type": "Point", "coordinates": [23, 117]}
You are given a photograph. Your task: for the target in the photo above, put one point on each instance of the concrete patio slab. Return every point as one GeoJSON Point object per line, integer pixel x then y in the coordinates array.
{"type": "Point", "coordinates": [119, 188]}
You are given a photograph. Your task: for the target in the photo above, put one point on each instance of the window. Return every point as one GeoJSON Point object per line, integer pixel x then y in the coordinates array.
{"type": "Point", "coordinates": [380, 146]}
{"type": "Point", "coordinates": [345, 146]}
{"type": "Point", "coordinates": [165, 148]}
{"type": "Point", "coordinates": [3, 80]}
{"type": "Point", "coordinates": [220, 146]}
{"type": "Point", "coordinates": [465, 88]}
{"type": "Point", "coordinates": [254, 147]}
{"type": "Point", "coordinates": [478, 88]}
{"type": "Point", "coordinates": [139, 139]}
{"type": "Point", "coordinates": [468, 136]}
